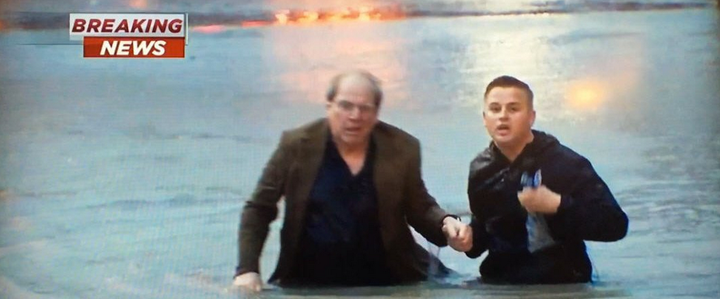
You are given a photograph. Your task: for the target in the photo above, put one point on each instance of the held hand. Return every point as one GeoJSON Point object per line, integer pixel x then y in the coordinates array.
{"type": "Point", "coordinates": [458, 234]}
{"type": "Point", "coordinates": [249, 282]}
{"type": "Point", "coordinates": [539, 200]}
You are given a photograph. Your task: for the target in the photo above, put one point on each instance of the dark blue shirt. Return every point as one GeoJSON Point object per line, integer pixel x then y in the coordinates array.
{"type": "Point", "coordinates": [341, 242]}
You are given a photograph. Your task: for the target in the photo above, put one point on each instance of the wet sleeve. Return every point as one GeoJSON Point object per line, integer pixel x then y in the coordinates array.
{"type": "Point", "coordinates": [261, 209]}
{"type": "Point", "coordinates": [480, 238]}
{"type": "Point", "coordinates": [423, 212]}
{"type": "Point", "coordinates": [589, 211]}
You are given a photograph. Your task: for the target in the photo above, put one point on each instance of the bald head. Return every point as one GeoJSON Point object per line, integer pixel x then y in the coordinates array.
{"type": "Point", "coordinates": [355, 77]}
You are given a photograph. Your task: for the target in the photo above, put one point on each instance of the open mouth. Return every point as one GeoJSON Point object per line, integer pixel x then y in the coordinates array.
{"type": "Point", "coordinates": [503, 129]}
{"type": "Point", "coordinates": [353, 131]}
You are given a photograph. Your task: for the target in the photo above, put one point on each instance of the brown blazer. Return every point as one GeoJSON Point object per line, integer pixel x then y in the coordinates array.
{"type": "Point", "coordinates": [291, 172]}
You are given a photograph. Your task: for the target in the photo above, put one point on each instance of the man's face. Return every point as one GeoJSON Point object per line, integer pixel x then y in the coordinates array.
{"type": "Point", "coordinates": [352, 114]}
{"type": "Point", "coordinates": [508, 117]}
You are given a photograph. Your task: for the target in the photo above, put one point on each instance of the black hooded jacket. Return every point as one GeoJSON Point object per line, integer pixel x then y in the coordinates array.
{"type": "Point", "coordinates": [587, 211]}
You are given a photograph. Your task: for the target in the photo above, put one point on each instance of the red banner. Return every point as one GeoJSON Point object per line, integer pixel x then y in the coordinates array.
{"type": "Point", "coordinates": [133, 47]}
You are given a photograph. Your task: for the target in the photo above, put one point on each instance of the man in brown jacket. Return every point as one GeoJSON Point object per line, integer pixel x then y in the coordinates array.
{"type": "Point", "coordinates": [351, 184]}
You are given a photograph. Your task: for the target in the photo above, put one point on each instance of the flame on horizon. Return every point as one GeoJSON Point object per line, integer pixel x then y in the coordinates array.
{"type": "Point", "coordinates": [363, 13]}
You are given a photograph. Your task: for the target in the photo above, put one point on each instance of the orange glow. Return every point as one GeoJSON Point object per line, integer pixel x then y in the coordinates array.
{"type": "Point", "coordinates": [586, 95]}
{"type": "Point", "coordinates": [282, 17]}
{"type": "Point", "coordinates": [255, 23]}
{"type": "Point", "coordinates": [364, 9]}
{"type": "Point", "coordinates": [209, 29]}
{"type": "Point", "coordinates": [138, 4]}
{"type": "Point", "coordinates": [363, 13]}
{"type": "Point", "coordinates": [364, 17]}
{"type": "Point", "coordinates": [308, 16]}
{"type": "Point", "coordinates": [334, 17]}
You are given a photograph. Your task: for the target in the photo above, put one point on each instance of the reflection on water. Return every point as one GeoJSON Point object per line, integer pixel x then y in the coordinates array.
{"type": "Point", "coordinates": [125, 178]}
{"type": "Point", "coordinates": [307, 61]}
{"type": "Point", "coordinates": [586, 95]}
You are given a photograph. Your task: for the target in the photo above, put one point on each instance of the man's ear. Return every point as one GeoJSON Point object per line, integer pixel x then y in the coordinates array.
{"type": "Point", "coordinates": [532, 120]}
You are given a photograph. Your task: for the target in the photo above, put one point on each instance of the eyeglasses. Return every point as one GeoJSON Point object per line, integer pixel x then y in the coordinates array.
{"type": "Point", "coordinates": [348, 107]}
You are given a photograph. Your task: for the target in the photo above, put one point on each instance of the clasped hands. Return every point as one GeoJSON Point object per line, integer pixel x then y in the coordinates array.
{"type": "Point", "coordinates": [458, 235]}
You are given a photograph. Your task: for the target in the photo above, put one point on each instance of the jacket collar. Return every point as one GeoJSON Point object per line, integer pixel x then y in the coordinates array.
{"type": "Point", "coordinates": [491, 160]}
{"type": "Point", "coordinates": [385, 168]}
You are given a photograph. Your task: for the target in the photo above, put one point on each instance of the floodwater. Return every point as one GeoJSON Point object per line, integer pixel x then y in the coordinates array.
{"type": "Point", "coordinates": [125, 178]}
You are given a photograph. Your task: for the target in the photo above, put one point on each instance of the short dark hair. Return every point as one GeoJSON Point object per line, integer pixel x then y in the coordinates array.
{"type": "Point", "coordinates": [509, 81]}
{"type": "Point", "coordinates": [374, 85]}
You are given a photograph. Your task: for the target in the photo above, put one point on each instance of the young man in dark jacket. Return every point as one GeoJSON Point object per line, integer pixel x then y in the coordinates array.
{"type": "Point", "coordinates": [534, 200]}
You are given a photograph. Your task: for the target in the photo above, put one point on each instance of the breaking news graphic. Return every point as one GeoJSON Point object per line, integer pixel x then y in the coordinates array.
{"type": "Point", "coordinates": [130, 35]}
